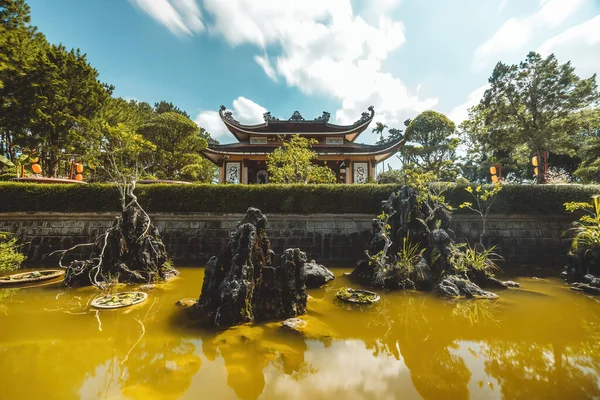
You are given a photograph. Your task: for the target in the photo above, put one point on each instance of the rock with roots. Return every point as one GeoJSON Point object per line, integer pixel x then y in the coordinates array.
{"type": "Point", "coordinates": [246, 283]}
{"type": "Point", "coordinates": [130, 251]}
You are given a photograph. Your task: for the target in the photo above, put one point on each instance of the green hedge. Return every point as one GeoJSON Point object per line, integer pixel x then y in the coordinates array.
{"type": "Point", "coordinates": [299, 199]}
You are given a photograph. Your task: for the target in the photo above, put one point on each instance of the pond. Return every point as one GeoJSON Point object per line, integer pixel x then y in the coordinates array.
{"type": "Point", "coordinates": [542, 341]}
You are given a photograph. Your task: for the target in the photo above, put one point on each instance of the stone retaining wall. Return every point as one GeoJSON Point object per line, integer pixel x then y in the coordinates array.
{"type": "Point", "coordinates": [194, 237]}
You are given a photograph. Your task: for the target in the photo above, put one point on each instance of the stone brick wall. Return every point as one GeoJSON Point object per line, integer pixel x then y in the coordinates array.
{"type": "Point", "coordinates": [194, 237]}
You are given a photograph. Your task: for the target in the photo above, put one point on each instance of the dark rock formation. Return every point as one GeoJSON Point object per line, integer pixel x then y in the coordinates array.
{"type": "Point", "coordinates": [455, 286]}
{"type": "Point", "coordinates": [316, 275]}
{"type": "Point", "coordinates": [413, 247]}
{"type": "Point", "coordinates": [130, 251]}
{"type": "Point", "coordinates": [244, 283]}
{"type": "Point", "coordinates": [581, 263]}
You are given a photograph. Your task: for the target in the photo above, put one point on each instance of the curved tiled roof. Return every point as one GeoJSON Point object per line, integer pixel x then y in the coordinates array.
{"type": "Point", "coordinates": [216, 152]}
{"type": "Point", "coordinates": [296, 124]}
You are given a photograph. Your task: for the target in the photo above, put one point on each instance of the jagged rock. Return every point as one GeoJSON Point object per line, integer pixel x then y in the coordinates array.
{"type": "Point", "coordinates": [583, 270]}
{"type": "Point", "coordinates": [586, 288]}
{"type": "Point", "coordinates": [131, 250]}
{"type": "Point", "coordinates": [243, 284]}
{"type": "Point", "coordinates": [316, 275]}
{"type": "Point", "coordinates": [422, 276]}
{"type": "Point", "coordinates": [454, 286]}
{"type": "Point", "coordinates": [425, 226]}
{"type": "Point", "coordinates": [581, 263]}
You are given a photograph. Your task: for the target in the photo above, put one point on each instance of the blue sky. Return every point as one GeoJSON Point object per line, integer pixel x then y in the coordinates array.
{"type": "Point", "coordinates": [402, 56]}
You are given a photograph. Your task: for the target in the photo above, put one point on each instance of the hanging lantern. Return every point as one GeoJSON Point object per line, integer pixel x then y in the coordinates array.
{"type": "Point", "coordinates": [36, 169]}
{"type": "Point", "coordinates": [35, 160]}
{"type": "Point", "coordinates": [79, 168]}
{"type": "Point", "coordinates": [78, 177]}
{"type": "Point", "coordinates": [534, 161]}
{"type": "Point", "coordinates": [535, 171]}
{"type": "Point", "coordinates": [493, 170]}
{"type": "Point", "coordinates": [494, 179]}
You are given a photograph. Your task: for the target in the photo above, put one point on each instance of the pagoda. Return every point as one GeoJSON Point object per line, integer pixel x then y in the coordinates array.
{"type": "Point", "coordinates": [245, 162]}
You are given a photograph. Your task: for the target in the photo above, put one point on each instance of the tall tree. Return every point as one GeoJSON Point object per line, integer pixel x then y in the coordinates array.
{"type": "Point", "coordinates": [67, 96]}
{"type": "Point", "coordinates": [379, 128]}
{"type": "Point", "coordinates": [589, 138]}
{"type": "Point", "coordinates": [534, 103]}
{"type": "Point", "coordinates": [294, 162]}
{"type": "Point", "coordinates": [164, 107]}
{"type": "Point", "coordinates": [20, 46]}
{"type": "Point", "coordinates": [178, 141]}
{"type": "Point", "coordinates": [431, 144]}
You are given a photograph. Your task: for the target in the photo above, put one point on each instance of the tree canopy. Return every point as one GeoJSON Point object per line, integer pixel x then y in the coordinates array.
{"type": "Point", "coordinates": [431, 145]}
{"type": "Point", "coordinates": [294, 162]}
{"type": "Point", "coordinates": [52, 104]}
{"type": "Point", "coordinates": [178, 142]}
{"type": "Point", "coordinates": [532, 107]}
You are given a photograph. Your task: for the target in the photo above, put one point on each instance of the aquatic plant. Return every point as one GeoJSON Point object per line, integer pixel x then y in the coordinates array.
{"type": "Point", "coordinates": [587, 229]}
{"type": "Point", "coordinates": [484, 200]}
{"type": "Point", "coordinates": [10, 258]}
{"type": "Point", "coordinates": [466, 259]}
{"type": "Point", "coordinates": [584, 258]}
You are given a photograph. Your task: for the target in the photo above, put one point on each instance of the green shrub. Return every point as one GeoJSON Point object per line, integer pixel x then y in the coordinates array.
{"type": "Point", "coordinates": [10, 258]}
{"type": "Point", "coordinates": [293, 199]}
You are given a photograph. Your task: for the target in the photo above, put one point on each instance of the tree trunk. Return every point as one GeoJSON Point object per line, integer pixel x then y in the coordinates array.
{"type": "Point", "coordinates": [540, 177]}
{"type": "Point", "coordinates": [53, 158]}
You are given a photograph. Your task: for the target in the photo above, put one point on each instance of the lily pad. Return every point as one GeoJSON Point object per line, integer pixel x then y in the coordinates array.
{"type": "Point", "coordinates": [30, 277]}
{"type": "Point", "coordinates": [357, 296]}
{"type": "Point", "coordinates": [119, 300]}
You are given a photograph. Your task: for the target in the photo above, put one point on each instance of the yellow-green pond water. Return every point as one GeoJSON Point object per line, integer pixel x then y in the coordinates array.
{"type": "Point", "coordinates": [542, 341]}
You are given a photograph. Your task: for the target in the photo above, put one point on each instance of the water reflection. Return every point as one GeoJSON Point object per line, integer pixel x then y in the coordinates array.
{"type": "Point", "coordinates": [541, 343]}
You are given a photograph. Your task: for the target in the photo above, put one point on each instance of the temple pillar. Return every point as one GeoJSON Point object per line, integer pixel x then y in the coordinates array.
{"type": "Point", "coordinates": [245, 171]}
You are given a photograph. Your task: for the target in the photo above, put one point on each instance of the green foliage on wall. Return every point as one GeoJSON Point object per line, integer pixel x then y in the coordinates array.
{"type": "Point", "coordinates": [292, 199]}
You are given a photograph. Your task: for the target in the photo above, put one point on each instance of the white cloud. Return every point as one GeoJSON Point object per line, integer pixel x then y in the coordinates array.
{"type": "Point", "coordinates": [461, 112]}
{"type": "Point", "coordinates": [181, 17]}
{"type": "Point", "coordinates": [373, 9]}
{"type": "Point", "coordinates": [324, 49]}
{"type": "Point", "coordinates": [264, 62]}
{"type": "Point", "coordinates": [515, 33]}
{"type": "Point", "coordinates": [347, 367]}
{"type": "Point", "coordinates": [580, 44]}
{"type": "Point", "coordinates": [244, 110]}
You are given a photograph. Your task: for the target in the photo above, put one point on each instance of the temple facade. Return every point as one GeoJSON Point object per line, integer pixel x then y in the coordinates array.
{"type": "Point", "coordinates": [245, 161]}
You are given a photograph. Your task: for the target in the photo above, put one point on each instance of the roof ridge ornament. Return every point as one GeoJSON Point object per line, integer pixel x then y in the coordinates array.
{"type": "Point", "coordinates": [324, 118]}
{"type": "Point", "coordinates": [296, 116]}
{"type": "Point", "coordinates": [366, 115]}
{"type": "Point", "coordinates": [226, 114]}
{"type": "Point", "coordinates": [267, 117]}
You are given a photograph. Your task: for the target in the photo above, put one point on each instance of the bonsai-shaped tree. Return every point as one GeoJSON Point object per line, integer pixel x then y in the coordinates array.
{"type": "Point", "coordinates": [131, 250]}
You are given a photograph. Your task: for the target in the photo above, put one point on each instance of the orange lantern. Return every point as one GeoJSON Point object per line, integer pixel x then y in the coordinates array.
{"type": "Point", "coordinates": [78, 177]}
{"type": "Point", "coordinates": [493, 170]}
{"type": "Point", "coordinates": [35, 160]}
{"type": "Point", "coordinates": [79, 168]}
{"type": "Point", "coordinates": [534, 161]}
{"type": "Point", "coordinates": [36, 169]}
{"type": "Point", "coordinates": [494, 179]}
